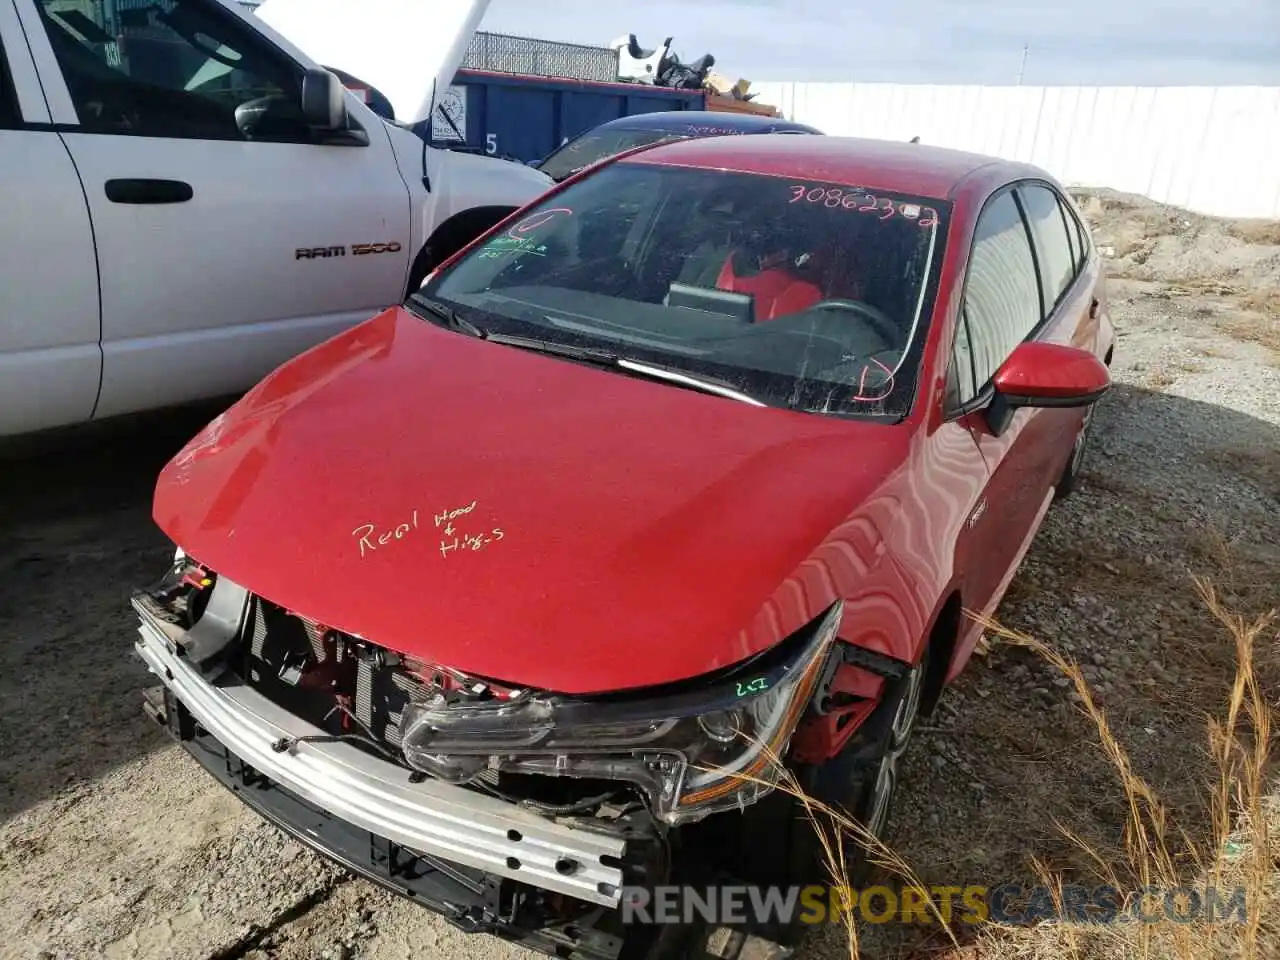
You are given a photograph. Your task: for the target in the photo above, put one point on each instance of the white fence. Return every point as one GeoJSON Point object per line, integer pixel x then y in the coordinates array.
{"type": "Point", "coordinates": [1215, 150]}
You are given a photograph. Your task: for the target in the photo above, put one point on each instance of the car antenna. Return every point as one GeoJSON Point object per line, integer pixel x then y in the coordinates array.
{"type": "Point", "coordinates": [426, 177]}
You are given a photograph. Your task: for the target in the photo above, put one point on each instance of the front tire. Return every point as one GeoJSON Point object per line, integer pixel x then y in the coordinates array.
{"type": "Point", "coordinates": [773, 842]}
{"type": "Point", "coordinates": [863, 780]}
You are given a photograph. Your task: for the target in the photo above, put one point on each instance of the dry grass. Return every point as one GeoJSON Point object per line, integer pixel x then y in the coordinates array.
{"type": "Point", "coordinates": [1212, 353]}
{"type": "Point", "coordinates": [1260, 328]}
{"type": "Point", "coordinates": [1243, 829]}
{"type": "Point", "coordinates": [1256, 231]}
{"type": "Point", "coordinates": [1265, 301]}
{"type": "Point", "coordinates": [1260, 323]}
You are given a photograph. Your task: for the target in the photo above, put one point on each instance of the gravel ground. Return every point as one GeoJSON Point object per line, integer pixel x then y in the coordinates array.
{"type": "Point", "coordinates": [113, 844]}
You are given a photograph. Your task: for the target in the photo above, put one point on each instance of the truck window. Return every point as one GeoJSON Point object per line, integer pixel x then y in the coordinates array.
{"type": "Point", "coordinates": [173, 68]}
{"type": "Point", "coordinates": [9, 117]}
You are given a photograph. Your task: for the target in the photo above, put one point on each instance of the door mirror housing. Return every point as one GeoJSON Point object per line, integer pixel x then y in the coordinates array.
{"type": "Point", "coordinates": [324, 108]}
{"type": "Point", "coordinates": [371, 96]}
{"type": "Point", "coordinates": [1046, 375]}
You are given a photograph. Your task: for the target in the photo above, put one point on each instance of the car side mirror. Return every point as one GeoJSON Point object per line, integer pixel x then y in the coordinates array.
{"type": "Point", "coordinates": [324, 109]}
{"type": "Point", "coordinates": [1040, 374]}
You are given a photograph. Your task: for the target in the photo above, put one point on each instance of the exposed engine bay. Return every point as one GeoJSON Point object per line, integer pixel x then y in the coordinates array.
{"type": "Point", "coordinates": [624, 769]}
{"type": "Point", "coordinates": [365, 694]}
{"type": "Point", "coordinates": [671, 757]}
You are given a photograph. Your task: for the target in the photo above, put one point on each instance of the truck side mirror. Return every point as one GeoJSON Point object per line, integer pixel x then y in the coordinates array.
{"type": "Point", "coordinates": [322, 104]}
{"type": "Point", "coordinates": [324, 109]}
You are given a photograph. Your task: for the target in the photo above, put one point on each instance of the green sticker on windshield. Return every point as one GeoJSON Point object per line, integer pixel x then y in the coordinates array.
{"type": "Point", "coordinates": [758, 685]}
{"type": "Point", "coordinates": [501, 245]}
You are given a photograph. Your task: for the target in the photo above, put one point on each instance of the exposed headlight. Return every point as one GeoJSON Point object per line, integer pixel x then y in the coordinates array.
{"type": "Point", "coordinates": [695, 750]}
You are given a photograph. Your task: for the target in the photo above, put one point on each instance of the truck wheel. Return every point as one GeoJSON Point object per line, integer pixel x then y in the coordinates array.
{"type": "Point", "coordinates": [450, 237]}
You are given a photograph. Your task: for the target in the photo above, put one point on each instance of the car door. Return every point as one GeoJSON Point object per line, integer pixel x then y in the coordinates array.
{"type": "Point", "coordinates": [1070, 313]}
{"type": "Point", "coordinates": [224, 248]}
{"type": "Point", "coordinates": [50, 358]}
{"type": "Point", "coordinates": [1001, 307]}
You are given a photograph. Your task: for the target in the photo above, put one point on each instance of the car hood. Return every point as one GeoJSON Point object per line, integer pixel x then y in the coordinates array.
{"type": "Point", "coordinates": [407, 49]}
{"type": "Point", "coordinates": [518, 516]}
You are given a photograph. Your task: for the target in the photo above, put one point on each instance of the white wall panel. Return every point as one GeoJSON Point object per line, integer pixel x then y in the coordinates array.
{"type": "Point", "coordinates": [1215, 150]}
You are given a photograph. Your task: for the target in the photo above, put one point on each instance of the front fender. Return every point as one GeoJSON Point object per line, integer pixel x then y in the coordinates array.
{"type": "Point", "coordinates": [465, 180]}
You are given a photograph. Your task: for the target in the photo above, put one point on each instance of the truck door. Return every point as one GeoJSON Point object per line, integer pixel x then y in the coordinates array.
{"type": "Point", "coordinates": [50, 358]}
{"type": "Point", "coordinates": [228, 239]}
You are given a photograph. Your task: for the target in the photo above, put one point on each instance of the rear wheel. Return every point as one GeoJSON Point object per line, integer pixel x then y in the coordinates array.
{"type": "Point", "coordinates": [1070, 478]}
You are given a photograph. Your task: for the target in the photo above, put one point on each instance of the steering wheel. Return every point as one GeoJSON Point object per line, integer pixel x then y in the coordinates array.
{"type": "Point", "coordinates": [882, 322]}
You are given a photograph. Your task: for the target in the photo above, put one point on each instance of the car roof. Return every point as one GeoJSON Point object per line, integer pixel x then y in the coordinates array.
{"type": "Point", "coordinates": [680, 120]}
{"type": "Point", "coordinates": [890, 165]}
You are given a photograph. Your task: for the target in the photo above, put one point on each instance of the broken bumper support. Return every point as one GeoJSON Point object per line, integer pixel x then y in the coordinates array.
{"type": "Point", "coordinates": [436, 819]}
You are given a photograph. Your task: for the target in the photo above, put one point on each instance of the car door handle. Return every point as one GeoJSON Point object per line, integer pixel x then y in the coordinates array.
{"type": "Point", "coordinates": [148, 191]}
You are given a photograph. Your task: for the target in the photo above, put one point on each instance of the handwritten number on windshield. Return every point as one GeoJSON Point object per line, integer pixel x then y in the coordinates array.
{"type": "Point", "coordinates": [836, 198]}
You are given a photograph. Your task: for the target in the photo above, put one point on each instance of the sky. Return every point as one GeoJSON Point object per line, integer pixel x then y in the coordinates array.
{"type": "Point", "coordinates": [1084, 42]}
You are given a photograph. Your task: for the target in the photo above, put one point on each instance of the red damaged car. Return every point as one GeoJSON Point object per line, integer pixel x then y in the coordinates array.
{"type": "Point", "coordinates": [503, 598]}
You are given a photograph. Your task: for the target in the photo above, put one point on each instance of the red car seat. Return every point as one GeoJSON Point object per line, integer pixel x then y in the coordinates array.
{"type": "Point", "coordinates": [777, 291]}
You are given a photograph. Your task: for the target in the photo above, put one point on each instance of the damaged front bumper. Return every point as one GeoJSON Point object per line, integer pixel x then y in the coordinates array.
{"type": "Point", "coordinates": [237, 725]}
{"type": "Point", "coordinates": [501, 849]}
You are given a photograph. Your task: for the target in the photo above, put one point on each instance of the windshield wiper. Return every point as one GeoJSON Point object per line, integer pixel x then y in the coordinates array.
{"type": "Point", "coordinates": [604, 358]}
{"type": "Point", "coordinates": [608, 359]}
{"type": "Point", "coordinates": [451, 318]}
{"type": "Point", "coordinates": [593, 355]}
{"type": "Point", "coordinates": [706, 385]}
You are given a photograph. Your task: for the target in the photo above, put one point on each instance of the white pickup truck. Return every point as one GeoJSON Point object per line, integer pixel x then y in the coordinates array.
{"type": "Point", "coordinates": [189, 199]}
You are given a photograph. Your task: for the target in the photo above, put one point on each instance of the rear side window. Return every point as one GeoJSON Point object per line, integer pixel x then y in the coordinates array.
{"type": "Point", "coordinates": [1002, 292]}
{"type": "Point", "coordinates": [1078, 232]}
{"type": "Point", "coordinates": [1053, 247]}
{"type": "Point", "coordinates": [1073, 238]}
{"type": "Point", "coordinates": [8, 96]}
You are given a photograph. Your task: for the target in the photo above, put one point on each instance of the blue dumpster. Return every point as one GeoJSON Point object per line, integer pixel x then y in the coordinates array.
{"type": "Point", "coordinates": [525, 117]}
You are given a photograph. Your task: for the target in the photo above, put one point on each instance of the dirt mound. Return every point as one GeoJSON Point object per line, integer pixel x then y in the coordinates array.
{"type": "Point", "coordinates": [1145, 240]}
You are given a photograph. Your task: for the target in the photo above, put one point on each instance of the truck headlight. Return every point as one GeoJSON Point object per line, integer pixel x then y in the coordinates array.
{"type": "Point", "coordinates": [700, 748]}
